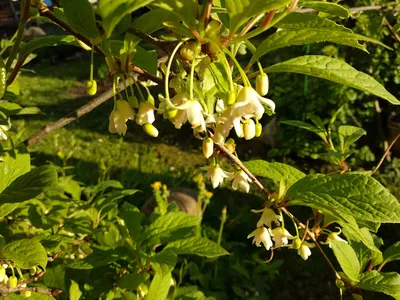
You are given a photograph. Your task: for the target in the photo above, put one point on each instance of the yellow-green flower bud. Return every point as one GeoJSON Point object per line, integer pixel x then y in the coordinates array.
{"type": "Point", "coordinates": [12, 282]}
{"type": "Point", "coordinates": [208, 147]}
{"type": "Point", "coordinates": [190, 50]}
{"type": "Point", "coordinates": [213, 28]}
{"type": "Point", "coordinates": [258, 129]}
{"type": "Point", "coordinates": [133, 101]}
{"type": "Point", "coordinates": [249, 129]}
{"type": "Point", "coordinates": [150, 129]}
{"type": "Point", "coordinates": [230, 145]}
{"type": "Point", "coordinates": [32, 271]}
{"type": "Point", "coordinates": [171, 113]}
{"type": "Point", "coordinates": [262, 84]}
{"type": "Point", "coordinates": [2, 273]}
{"type": "Point", "coordinates": [339, 284]}
{"type": "Point", "coordinates": [27, 294]}
{"type": "Point", "coordinates": [91, 87]}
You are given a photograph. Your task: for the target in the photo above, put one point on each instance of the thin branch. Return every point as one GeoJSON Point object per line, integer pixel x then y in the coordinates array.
{"type": "Point", "coordinates": [261, 187]}
{"type": "Point", "coordinates": [386, 153]}
{"type": "Point", "coordinates": [268, 19]}
{"type": "Point", "coordinates": [73, 116]}
{"type": "Point", "coordinates": [148, 38]}
{"type": "Point", "coordinates": [352, 10]}
{"type": "Point", "coordinates": [251, 24]}
{"type": "Point", "coordinates": [391, 29]}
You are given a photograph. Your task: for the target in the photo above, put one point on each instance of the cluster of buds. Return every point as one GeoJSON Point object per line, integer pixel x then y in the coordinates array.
{"type": "Point", "coordinates": [11, 281]}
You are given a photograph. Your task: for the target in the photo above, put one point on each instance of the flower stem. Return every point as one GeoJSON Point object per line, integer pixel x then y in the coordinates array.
{"type": "Point", "coordinates": [191, 78]}
{"type": "Point", "coordinates": [167, 97]}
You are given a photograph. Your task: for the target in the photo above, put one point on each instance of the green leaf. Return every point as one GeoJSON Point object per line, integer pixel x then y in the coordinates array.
{"type": "Point", "coordinates": [29, 185]}
{"type": "Point", "coordinates": [74, 291]}
{"type": "Point", "coordinates": [34, 296]}
{"type": "Point", "coordinates": [198, 246]}
{"type": "Point", "coordinates": [146, 60]}
{"type": "Point", "coordinates": [319, 131]}
{"type": "Point", "coordinates": [346, 195]}
{"type": "Point", "coordinates": [169, 227]}
{"type": "Point", "coordinates": [347, 259]}
{"type": "Point", "coordinates": [164, 262]}
{"type": "Point", "coordinates": [186, 10]}
{"type": "Point", "coordinates": [80, 16]}
{"type": "Point", "coordinates": [6, 209]}
{"type": "Point", "coordinates": [348, 135]}
{"type": "Point", "coordinates": [275, 171]}
{"type": "Point", "coordinates": [55, 277]}
{"type": "Point", "coordinates": [99, 257]}
{"type": "Point", "coordinates": [286, 38]}
{"type": "Point", "coordinates": [71, 187]}
{"type": "Point", "coordinates": [159, 287]}
{"type": "Point", "coordinates": [131, 281]}
{"type": "Point", "coordinates": [25, 253]}
{"type": "Point", "coordinates": [335, 70]}
{"type": "Point", "coordinates": [12, 165]}
{"type": "Point", "coordinates": [387, 283]}
{"type": "Point", "coordinates": [113, 11]}
{"type": "Point", "coordinates": [392, 253]}
{"type": "Point", "coordinates": [132, 218]}
{"type": "Point", "coordinates": [240, 11]}
{"type": "Point", "coordinates": [329, 8]}
{"type": "Point", "coordinates": [297, 20]}
{"type": "Point", "coordinates": [46, 41]}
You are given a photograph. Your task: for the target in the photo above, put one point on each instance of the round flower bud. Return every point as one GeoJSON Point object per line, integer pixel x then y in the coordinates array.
{"type": "Point", "coordinates": [27, 294]}
{"type": "Point", "coordinates": [208, 147]}
{"type": "Point", "coordinates": [12, 282]}
{"type": "Point", "coordinates": [32, 271]}
{"type": "Point", "coordinates": [242, 49]}
{"type": "Point", "coordinates": [150, 129]}
{"type": "Point", "coordinates": [262, 84]}
{"type": "Point", "coordinates": [249, 129]}
{"type": "Point", "coordinates": [213, 28]}
{"type": "Point", "coordinates": [258, 129]}
{"type": "Point", "coordinates": [230, 145]}
{"type": "Point", "coordinates": [190, 50]}
{"type": "Point", "coordinates": [339, 284]}
{"type": "Point", "coordinates": [91, 87]}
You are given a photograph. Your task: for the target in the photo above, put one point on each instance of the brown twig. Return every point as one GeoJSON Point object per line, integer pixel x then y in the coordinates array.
{"type": "Point", "coordinates": [152, 40]}
{"type": "Point", "coordinates": [241, 166]}
{"type": "Point", "coordinates": [251, 24]}
{"type": "Point", "coordinates": [72, 116]}
{"type": "Point", "coordinates": [268, 19]}
{"type": "Point", "coordinates": [391, 29]}
{"type": "Point", "coordinates": [386, 153]}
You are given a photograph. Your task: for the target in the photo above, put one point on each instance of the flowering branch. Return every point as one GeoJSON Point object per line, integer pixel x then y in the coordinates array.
{"type": "Point", "coordinates": [283, 209]}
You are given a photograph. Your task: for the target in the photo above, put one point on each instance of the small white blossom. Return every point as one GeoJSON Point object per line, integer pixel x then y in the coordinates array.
{"type": "Point", "coordinates": [194, 114]}
{"type": "Point", "coordinates": [117, 121]}
{"type": "Point", "coordinates": [261, 235]}
{"type": "Point", "coordinates": [268, 216]}
{"type": "Point", "coordinates": [216, 174]}
{"type": "Point", "coordinates": [241, 180]}
{"type": "Point", "coordinates": [335, 237]}
{"type": "Point", "coordinates": [249, 102]}
{"type": "Point", "coordinates": [145, 113]}
{"type": "Point", "coordinates": [304, 250]}
{"type": "Point", "coordinates": [281, 236]}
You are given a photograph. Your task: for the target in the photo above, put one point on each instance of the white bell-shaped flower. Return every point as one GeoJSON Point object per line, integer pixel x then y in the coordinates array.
{"type": "Point", "coordinates": [281, 236]}
{"type": "Point", "coordinates": [261, 235]}
{"type": "Point", "coordinates": [334, 236]}
{"type": "Point", "coordinates": [145, 113]}
{"type": "Point", "coordinates": [121, 113]}
{"type": "Point", "coordinates": [249, 102]}
{"type": "Point", "coordinates": [241, 180]}
{"type": "Point", "coordinates": [3, 129]}
{"type": "Point", "coordinates": [268, 216]}
{"type": "Point", "coordinates": [194, 114]}
{"type": "Point", "coordinates": [216, 174]}
{"type": "Point", "coordinates": [304, 250]}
